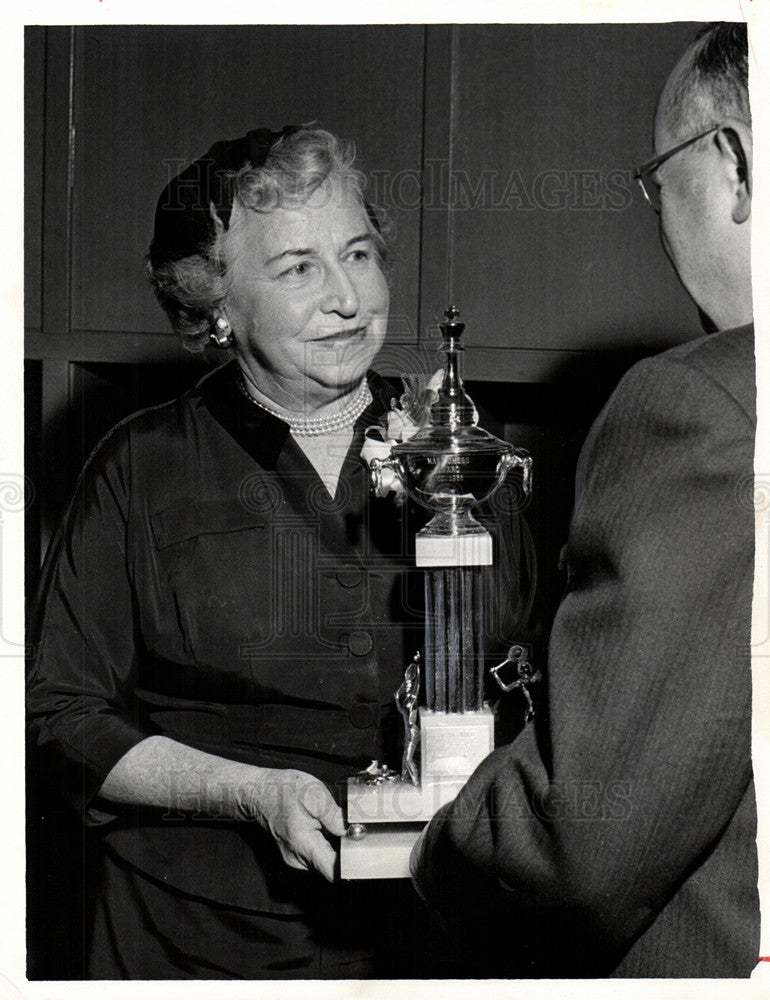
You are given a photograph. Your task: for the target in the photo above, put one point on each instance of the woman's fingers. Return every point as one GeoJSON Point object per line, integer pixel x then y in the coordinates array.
{"type": "Point", "coordinates": [321, 855]}
{"type": "Point", "coordinates": [293, 860]}
{"type": "Point", "coordinates": [299, 810]}
{"type": "Point", "coordinates": [334, 822]}
{"type": "Point", "coordinates": [321, 812]}
{"type": "Point", "coordinates": [309, 849]}
{"type": "Point", "coordinates": [319, 803]}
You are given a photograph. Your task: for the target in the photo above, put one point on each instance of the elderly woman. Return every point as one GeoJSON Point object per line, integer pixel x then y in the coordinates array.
{"type": "Point", "coordinates": [224, 618]}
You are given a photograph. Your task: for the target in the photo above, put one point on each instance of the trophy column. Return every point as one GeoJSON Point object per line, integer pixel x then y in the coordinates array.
{"type": "Point", "coordinates": [456, 729]}
{"type": "Point", "coordinates": [453, 622]}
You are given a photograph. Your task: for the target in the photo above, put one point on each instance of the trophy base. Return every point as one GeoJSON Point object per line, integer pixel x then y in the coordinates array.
{"type": "Point", "coordinates": [383, 853]}
{"type": "Point", "coordinates": [392, 814]}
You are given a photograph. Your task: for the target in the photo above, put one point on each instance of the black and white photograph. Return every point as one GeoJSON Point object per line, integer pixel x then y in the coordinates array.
{"type": "Point", "coordinates": [394, 547]}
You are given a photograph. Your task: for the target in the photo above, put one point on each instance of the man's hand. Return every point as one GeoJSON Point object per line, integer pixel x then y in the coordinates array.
{"type": "Point", "coordinates": [298, 811]}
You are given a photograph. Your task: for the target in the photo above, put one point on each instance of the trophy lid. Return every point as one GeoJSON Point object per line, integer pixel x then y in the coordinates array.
{"type": "Point", "coordinates": [453, 417]}
{"type": "Point", "coordinates": [452, 464]}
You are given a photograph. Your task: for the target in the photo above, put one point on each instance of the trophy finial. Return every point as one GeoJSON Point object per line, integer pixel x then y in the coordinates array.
{"type": "Point", "coordinates": [452, 313]}
{"type": "Point", "coordinates": [453, 408]}
{"type": "Point", "coordinates": [452, 328]}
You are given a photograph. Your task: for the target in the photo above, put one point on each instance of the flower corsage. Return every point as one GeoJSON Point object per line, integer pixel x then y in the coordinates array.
{"type": "Point", "coordinates": [406, 416]}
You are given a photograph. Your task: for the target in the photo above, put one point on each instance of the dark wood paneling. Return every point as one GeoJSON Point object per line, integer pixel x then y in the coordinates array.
{"type": "Point", "coordinates": [34, 135]}
{"type": "Point", "coordinates": [33, 453]}
{"type": "Point", "coordinates": [56, 181]}
{"type": "Point", "coordinates": [79, 345]}
{"type": "Point", "coordinates": [569, 261]}
{"type": "Point", "coordinates": [57, 470]}
{"type": "Point", "coordinates": [436, 219]}
{"type": "Point", "coordinates": [151, 99]}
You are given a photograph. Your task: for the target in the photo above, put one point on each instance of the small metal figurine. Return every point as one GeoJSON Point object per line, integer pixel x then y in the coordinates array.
{"type": "Point", "coordinates": [406, 702]}
{"type": "Point", "coordinates": [517, 656]}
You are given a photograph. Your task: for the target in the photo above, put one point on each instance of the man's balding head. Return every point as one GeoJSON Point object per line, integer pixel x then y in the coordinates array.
{"type": "Point", "coordinates": [710, 82]}
{"type": "Point", "coordinates": [705, 189]}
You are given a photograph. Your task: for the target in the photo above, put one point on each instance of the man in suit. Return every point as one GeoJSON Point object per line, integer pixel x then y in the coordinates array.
{"type": "Point", "coordinates": [616, 834]}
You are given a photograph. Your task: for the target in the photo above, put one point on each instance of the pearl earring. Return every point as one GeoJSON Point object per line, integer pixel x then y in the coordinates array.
{"type": "Point", "coordinates": [222, 335]}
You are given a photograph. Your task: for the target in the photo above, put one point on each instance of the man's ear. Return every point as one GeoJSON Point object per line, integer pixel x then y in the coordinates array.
{"type": "Point", "coordinates": [735, 144]}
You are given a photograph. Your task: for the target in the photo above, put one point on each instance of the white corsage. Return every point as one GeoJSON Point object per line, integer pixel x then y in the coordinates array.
{"type": "Point", "coordinates": [406, 416]}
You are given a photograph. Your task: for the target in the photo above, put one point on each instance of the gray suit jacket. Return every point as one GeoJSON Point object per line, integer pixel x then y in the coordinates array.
{"type": "Point", "coordinates": [616, 834]}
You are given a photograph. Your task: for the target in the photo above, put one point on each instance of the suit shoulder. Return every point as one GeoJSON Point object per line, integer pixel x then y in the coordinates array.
{"type": "Point", "coordinates": [724, 359]}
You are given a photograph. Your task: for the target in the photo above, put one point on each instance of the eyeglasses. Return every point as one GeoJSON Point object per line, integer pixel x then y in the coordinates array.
{"type": "Point", "coordinates": [644, 174]}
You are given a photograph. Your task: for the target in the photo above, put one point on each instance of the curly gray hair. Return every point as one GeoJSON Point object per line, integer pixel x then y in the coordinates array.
{"type": "Point", "coordinates": [191, 290]}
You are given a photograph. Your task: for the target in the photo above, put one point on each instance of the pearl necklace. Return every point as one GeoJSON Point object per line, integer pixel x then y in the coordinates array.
{"type": "Point", "coordinates": [316, 426]}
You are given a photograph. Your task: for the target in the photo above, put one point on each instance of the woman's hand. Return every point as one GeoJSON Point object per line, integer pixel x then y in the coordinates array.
{"type": "Point", "coordinates": [295, 808]}
{"type": "Point", "coordinates": [298, 811]}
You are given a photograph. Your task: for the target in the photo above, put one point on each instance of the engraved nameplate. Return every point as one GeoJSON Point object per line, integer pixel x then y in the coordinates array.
{"type": "Point", "coordinates": [454, 744]}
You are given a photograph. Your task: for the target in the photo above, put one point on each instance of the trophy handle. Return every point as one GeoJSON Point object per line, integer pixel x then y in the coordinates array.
{"type": "Point", "coordinates": [517, 458]}
{"type": "Point", "coordinates": [383, 473]}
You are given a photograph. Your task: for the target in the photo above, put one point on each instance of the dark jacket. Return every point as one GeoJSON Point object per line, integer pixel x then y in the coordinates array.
{"type": "Point", "coordinates": [616, 835]}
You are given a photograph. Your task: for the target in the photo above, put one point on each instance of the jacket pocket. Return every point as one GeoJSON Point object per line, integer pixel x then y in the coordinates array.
{"type": "Point", "coordinates": [211, 560]}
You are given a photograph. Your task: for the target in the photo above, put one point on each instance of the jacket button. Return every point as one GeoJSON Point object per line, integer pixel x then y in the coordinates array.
{"type": "Point", "coordinates": [362, 716]}
{"type": "Point", "coordinates": [359, 643]}
{"type": "Point", "coordinates": [349, 576]}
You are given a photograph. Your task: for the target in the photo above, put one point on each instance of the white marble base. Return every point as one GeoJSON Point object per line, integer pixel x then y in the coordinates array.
{"type": "Point", "coordinates": [399, 801]}
{"type": "Point", "coordinates": [394, 813]}
{"type": "Point", "coordinates": [383, 853]}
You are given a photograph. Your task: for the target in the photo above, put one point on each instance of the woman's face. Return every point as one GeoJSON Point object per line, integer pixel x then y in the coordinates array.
{"type": "Point", "coordinates": [308, 302]}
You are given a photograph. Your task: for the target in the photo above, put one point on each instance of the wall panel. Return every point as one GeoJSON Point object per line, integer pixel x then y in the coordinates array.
{"type": "Point", "coordinates": [34, 138]}
{"type": "Point", "coordinates": [553, 245]}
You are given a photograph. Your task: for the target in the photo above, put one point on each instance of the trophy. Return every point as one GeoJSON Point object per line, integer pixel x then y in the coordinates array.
{"type": "Point", "coordinates": [449, 467]}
